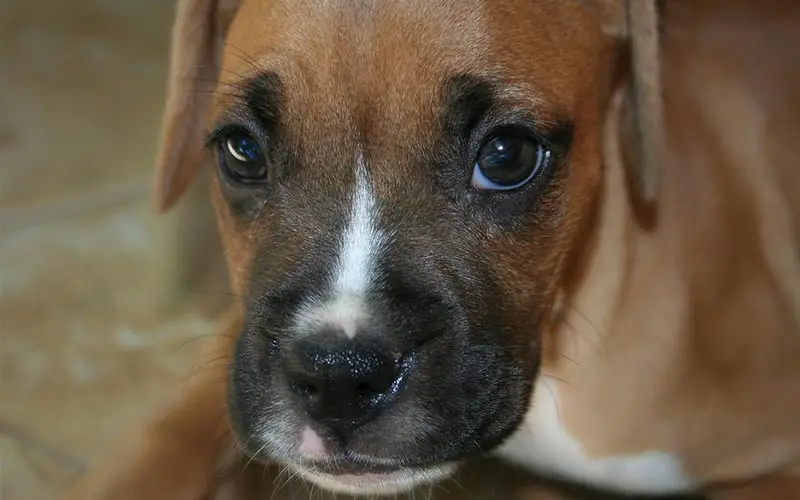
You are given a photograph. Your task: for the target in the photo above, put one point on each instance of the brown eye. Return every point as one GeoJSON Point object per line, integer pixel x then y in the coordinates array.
{"type": "Point", "coordinates": [242, 158]}
{"type": "Point", "coordinates": [508, 162]}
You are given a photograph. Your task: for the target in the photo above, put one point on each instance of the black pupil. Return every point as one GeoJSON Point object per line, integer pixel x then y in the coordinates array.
{"type": "Point", "coordinates": [246, 147]}
{"type": "Point", "coordinates": [243, 158]}
{"type": "Point", "coordinates": [508, 160]}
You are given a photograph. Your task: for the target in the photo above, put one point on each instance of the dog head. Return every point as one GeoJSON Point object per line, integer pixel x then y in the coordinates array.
{"type": "Point", "coordinates": [401, 187]}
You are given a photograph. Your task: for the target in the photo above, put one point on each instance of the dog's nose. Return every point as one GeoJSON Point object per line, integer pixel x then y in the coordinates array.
{"type": "Point", "coordinates": [343, 383]}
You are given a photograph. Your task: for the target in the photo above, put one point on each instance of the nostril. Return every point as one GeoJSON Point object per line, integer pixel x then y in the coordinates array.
{"type": "Point", "coordinates": [364, 389]}
{"type": "Point", "coordinates": [307, 389]}
{"type": "Point", "coordinates": [383, 377]}
{"type": "Point", "coordinates": [376, 387]}
{"type": "Point", "coordinates": [366, 395]}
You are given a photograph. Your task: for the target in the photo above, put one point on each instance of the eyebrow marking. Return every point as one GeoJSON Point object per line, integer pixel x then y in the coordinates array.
{"type": "Point", "coordinates": [466, 99]}
{"type": "Point", "coordinates": [262, 93]}
{"type": "Point", "coordinates": [254, 101]}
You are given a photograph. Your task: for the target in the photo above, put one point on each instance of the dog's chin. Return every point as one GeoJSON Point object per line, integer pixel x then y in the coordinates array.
{"type": "Point", "coordinates": [376, 483]}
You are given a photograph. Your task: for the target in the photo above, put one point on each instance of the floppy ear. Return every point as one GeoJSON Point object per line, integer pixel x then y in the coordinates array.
{"type": "Point", "coordinates": [195, 56]}
{"type": "Point", "coordinates": [634, 23]}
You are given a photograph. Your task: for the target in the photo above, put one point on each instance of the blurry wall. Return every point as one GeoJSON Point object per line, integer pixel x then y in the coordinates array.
{"type": "Point", "coordinates": [98, 296]}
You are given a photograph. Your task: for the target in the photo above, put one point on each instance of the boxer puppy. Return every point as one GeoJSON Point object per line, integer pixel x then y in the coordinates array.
{"type": "Point", "coordinates": [448, 241]}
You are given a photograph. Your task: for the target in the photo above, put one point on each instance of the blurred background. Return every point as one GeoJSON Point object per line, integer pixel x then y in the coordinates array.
{"type": "Point", "coordinates": [93, 315]}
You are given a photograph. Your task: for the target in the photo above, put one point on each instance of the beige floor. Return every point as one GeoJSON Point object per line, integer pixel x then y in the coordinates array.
{"type": "Point", "coordinates": [86, 343]}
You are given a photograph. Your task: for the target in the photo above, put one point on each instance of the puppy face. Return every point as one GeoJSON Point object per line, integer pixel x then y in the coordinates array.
{"type": "Point", "coordinates": [399, 185]}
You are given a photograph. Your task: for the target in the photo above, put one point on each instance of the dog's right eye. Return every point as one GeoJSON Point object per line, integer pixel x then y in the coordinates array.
{"type": "Point", "coordinates": [242, 158]}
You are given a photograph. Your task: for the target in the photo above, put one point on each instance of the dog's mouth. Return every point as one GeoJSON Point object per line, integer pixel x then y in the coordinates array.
{"type": "Point", "coordinates": [345, 466]}
{"type": "Point", "coordinates": [358, 477]}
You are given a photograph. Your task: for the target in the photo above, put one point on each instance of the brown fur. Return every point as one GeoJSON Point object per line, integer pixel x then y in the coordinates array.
{"type": "Point", "coordinates": [686, 330]}
{"type": "Point", "coordinates": [717, 369]}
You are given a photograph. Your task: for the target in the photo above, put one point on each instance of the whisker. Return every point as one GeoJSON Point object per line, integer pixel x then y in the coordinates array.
{"type": "Point", "coordinates": [554, 377]}
{"type": "Point", "coordinates": [253, 457]}
{"type": "Point", "coordinates": [243, 56]}
{"type": "Point", "coordinates": [430, 492]}
{"type": "Point", "coordinates": [283, 476]}
{"type": "Point", "coordinates": [594, 328]}
{"type": "Point", "coordinates": [550, 351]}
{"type": "Point", "coordinates": [254, 225]}
{"type": "Point", "coordinates": [555, 401]}
{"type": "Point", "coordinates": [216, 362]}
{"type": "Point", "coordinates": [457, 483]}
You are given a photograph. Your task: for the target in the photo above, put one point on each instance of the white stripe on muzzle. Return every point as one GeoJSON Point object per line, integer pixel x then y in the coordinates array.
{"type": "Point", "coordinates": [354, 268]}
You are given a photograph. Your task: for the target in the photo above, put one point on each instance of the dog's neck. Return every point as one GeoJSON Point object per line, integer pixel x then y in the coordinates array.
{"type": "Point", "coordinates": [690, 324]}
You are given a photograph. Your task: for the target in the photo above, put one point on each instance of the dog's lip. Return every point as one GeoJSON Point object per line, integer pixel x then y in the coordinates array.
{"type": "Point", "coordinates": [363, 479]}
{"type": "Point", "coordinates": [351, 467]}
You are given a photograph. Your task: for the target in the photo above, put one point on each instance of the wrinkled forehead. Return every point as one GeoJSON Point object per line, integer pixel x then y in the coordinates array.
{"type": "Point", "coordinates": [334, 58]}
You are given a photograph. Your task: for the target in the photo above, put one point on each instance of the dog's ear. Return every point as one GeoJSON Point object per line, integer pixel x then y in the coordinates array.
{"type": "Point", "coordinates": [636, 99]}
{"type": "Point", "coordinates": [195, 56]}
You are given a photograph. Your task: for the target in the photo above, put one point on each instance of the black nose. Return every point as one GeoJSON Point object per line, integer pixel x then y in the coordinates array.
{"type": "Point", "coordinates": [343, 383]}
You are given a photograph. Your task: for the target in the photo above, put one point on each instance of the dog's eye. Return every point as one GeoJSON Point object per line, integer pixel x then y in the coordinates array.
{"type": "Point", "coordinates": [242, 158]}
{"type": "Point", "coordinates": [508, 162]}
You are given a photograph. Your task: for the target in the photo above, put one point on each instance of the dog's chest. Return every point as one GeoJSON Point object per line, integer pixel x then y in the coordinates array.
{"type": "Point", "coordinates": [544, 446]}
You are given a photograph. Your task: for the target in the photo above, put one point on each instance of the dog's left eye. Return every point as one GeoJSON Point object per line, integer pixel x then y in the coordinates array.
{"type": "Point", "coordinates": [507, 162]}
{"type": "Point", "coordinates": [242, 158]}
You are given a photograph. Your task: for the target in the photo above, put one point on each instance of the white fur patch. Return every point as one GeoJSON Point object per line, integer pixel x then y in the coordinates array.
{"type": "Point", "coordinates": [311, 445]}
{"type": "Point", "coordinates": [543, 445]}
{"type": "Point", "coordinates": [361, 239]}
{"type": "Point", "coordinates": [345, 312]}
{"type": "Point", "coordinates": [355, 265]}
